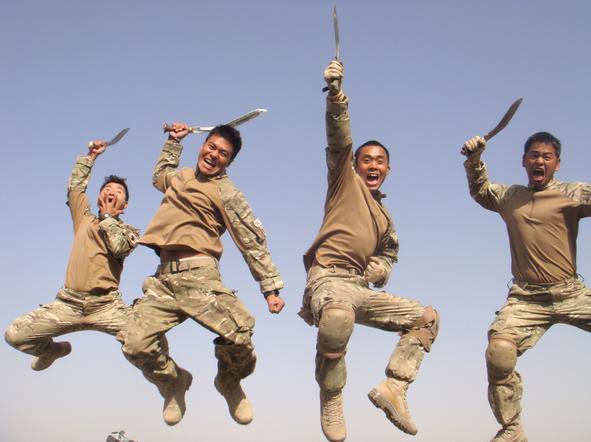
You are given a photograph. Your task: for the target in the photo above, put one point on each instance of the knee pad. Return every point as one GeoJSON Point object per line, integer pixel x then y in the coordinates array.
{"type": "Point", "coordinates": [426, 327]}
{"type": "Point", "coordinates": [10, 336]}
{"type": "Point", "coordinates": [334, 330]}
{"type": "Point", "coordinates": [501, 358]}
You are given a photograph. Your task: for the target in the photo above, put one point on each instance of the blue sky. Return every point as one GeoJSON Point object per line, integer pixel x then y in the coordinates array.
{"type": "Point", "coordinates": [422, 78]}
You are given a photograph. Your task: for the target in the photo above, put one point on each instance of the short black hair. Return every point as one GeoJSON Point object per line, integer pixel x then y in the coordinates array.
{"type": "Point", "coordinates": [371, 143]}
{"type": "Point", "coordinates": [118, 180]}
{"type": "Point", "coordinates": [545, 138]}
{"type": "Point", "coordinates": [230, 134]}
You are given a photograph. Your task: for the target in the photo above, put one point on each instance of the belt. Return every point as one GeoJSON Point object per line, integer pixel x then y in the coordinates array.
{"type": "Point", "coordinates": [91, 294]}
{"type": "Point", "coordinates": [545, 285]}
{"type": "Point", "coordinates": [316, 272]}
{"type": "Point", "coordinates": [185, 264]}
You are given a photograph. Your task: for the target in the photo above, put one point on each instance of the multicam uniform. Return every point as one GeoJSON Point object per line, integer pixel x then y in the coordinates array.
{"type": "Point", "coordinates": [195, 212]}
{"type": "Point", "coordinates": [90, 299]}
{"type": "Point", "coordinates": [356, 227]}
{"type": "Point", "coordinates": [542, 226]}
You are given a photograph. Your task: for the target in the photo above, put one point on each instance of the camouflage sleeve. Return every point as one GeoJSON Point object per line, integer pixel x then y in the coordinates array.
{"type": "Point", "coordinates": [485, 193]}
{"type": "Point", "coordinates": [338, 134]}
{"type": "Point", "coordinates": [581, 194]}
{"type": "Point", "coordinates": [77, 184]}
{"type": "Point", "coordinates": [121, 238]}
{"type": "Point", "coordinates": [248, 235]}
{"type": "Point", "coordinates": [166, 166]}
{"type": "Point", "coordinates": [388, 255]}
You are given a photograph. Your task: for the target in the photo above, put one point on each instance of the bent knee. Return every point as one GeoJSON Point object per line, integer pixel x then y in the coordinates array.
{"type": "Point", "coordinates": [426, 328]}
{"type": "Point", "coordinates": [135, 345]}
{"type": "Point", "coordinates": [334, 330]}
{"type": "Point", "coordinates": [14, 336]}
{"type": "Point", "coordinates": [501, 358]}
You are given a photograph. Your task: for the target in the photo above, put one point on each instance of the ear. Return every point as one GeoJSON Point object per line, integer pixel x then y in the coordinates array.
{"type": "Point", "coordinates": [557, 164]}
{"type": "Point", "coordinates": [126, 204]}
{"type": "Point", "coordinates": [523, 160]}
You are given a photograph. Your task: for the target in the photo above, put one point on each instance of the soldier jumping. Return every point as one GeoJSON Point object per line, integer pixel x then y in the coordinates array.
{"type": "Point", "coordinates": [357, 246]}
{"type": "Point", "coordinates": [198, 206]}
{"type": "Point", "coordinates": [542, 221]}
{"type": "Point", "coordinates": [90, 299]}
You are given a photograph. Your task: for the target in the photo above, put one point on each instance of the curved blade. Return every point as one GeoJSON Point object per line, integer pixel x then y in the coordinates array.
{"type": "Point", "coordinates": [505, 120]}
{"type": "Point", "coordinates": [118, 137]}
{"type": "Point", "coordinates": [236, 122]}
{"type": "Point", "coordinates": [246, 117]}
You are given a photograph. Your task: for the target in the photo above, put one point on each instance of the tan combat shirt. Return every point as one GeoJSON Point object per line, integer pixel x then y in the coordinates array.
{"type": "Point", "coordinates": [356, 226]}
{"type": "Point", "coordinates": [196, 211]}
{"type": "Point", "coordinates": [542, 224]}
{"type": "Point", "coordinates": [99, 247]}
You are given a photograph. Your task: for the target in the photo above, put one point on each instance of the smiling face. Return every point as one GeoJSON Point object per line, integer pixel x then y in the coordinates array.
{"type": "Point", "coordinates": [372, 166]}
{"type": "Point", "coordinates": [215, 155]}
{"type": "Point", "coordinates": [114, 193]}
{"type": "Point", "coordinates": [540, 163]}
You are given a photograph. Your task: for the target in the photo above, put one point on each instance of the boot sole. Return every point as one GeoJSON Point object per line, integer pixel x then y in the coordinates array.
{"type": "Point", "coordinates": [378, 400]}
{"type": "Point", "coordinates": [235, 418]}
{"type": "Point", "coordinates": [46, 365]}
{"type": "Point", "coordinates": [189, 381]}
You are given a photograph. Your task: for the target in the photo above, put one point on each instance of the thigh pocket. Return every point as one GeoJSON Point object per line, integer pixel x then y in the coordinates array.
{"type": "Point", "coordinates": [227, 316]}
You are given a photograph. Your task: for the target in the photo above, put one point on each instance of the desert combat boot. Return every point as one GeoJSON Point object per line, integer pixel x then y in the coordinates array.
{"type": "Point", "coordinates": [390, 396]}
{"type": "Point", "coordinates": [511, 433]}
{"type": "Point", "coordinates": [331, 415]}
{"type": "Point", "coordinates": [174, 397]}
{"type": "Point", "coordinates": [55, 351]}
{"type": "Point", "coordinates": [238, 404]}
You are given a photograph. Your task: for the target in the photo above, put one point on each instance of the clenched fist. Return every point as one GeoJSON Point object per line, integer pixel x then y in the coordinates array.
{"type": "Point", "coordinates": [333, 75]}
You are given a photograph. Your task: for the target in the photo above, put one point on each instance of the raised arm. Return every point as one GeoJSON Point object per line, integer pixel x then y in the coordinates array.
{"type": "Point", "coordinates": [484, 192]}
{"type": "Point", "coordinates": [167, 164]}
{"type": "Point", "coordinates": [78, 182]}
{"type": "Point", "coordinates": [338, 129]}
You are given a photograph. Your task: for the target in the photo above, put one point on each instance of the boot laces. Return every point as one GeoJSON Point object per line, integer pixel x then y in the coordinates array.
{"type": "Point", "coordinates": [332, 407]}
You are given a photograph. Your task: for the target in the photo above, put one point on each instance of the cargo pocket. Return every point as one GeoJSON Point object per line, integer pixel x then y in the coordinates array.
{"type": "Point", "coordinates": [229, 318]}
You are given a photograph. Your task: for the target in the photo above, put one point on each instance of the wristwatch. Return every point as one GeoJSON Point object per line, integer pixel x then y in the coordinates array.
{"type": "Point", "coordinates": [104, 216]}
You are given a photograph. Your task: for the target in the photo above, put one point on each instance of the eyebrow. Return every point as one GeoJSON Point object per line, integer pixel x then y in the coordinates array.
{"type": "Point", "coordinates": [367, 155]}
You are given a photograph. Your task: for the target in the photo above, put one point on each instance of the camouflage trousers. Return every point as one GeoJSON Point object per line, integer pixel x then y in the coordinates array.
{"type": "Point", "coordinates": [71, 311]}
{"type": "Point", "coordinates": [377, 309]}
{"type": "Point", "coordinates": [171, 298]}
{"type": "Point", "coordinates": [530, 310]}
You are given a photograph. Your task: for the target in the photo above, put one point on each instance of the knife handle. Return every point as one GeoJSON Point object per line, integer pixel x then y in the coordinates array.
{"type": "Point", "coordinates": [168, 128]}
{"type": "Point", "coordinates": [335, 83]}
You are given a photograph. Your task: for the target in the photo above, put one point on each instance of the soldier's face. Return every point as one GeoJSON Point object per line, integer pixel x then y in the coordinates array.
{"type": "Point", "coordinates": [372, 166]}
{"type": "Point", "coordinates": [215, 155]}
{"type": "Point", "coordinates": [540, 163]}
{"type": "Point", "coordinates": [114, 193]}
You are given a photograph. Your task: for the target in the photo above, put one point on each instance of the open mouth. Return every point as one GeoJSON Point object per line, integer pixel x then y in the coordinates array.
{"type": "Point", "coordinates": [538, 173]}
{"type": "Point", "coordinates": [110, 199]}
{"type": "Point", "coordinates": [209, 162]}
{"type": "Point", "coordinates": [372, 178]}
